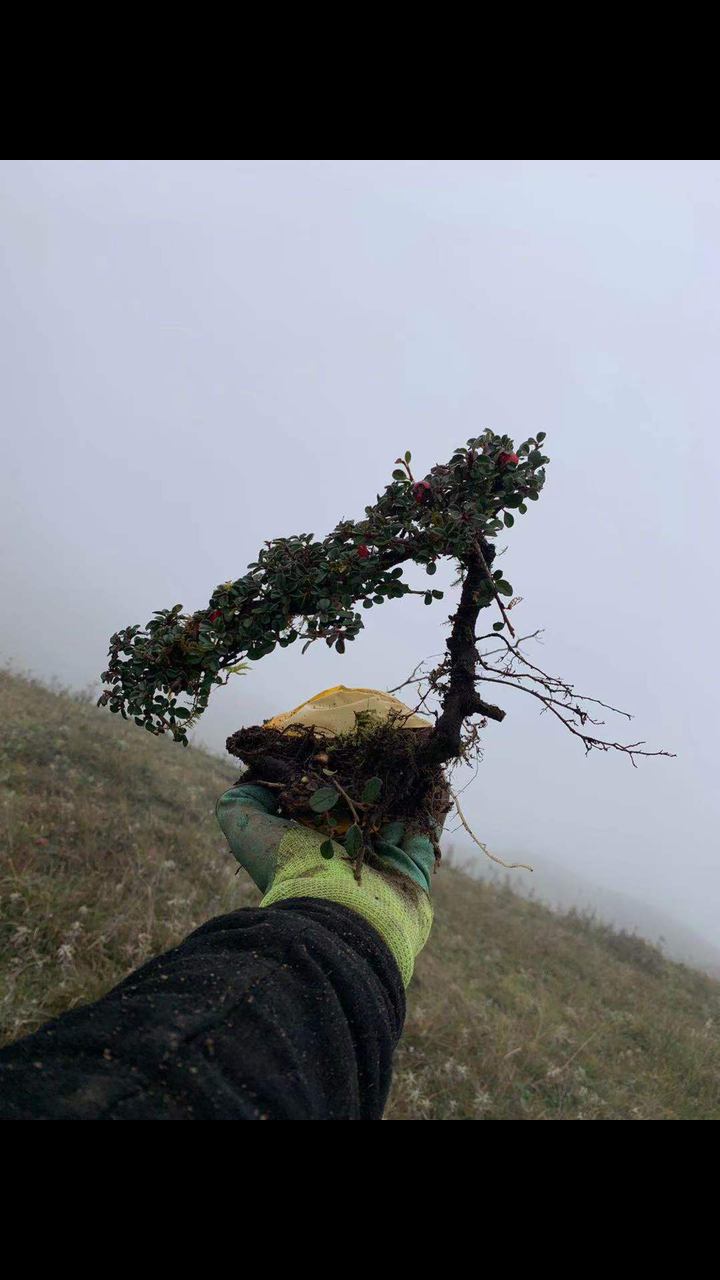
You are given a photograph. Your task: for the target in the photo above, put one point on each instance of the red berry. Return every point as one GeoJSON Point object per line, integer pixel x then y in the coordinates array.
{"type": "Point", "coordinates": [363, 552]}
{"type": "Point", "coordinates": [421, 490]}
{"type": "Point", "coordinates": [214, 615]}
{"type": "Point", "coordinates": [505, 458]}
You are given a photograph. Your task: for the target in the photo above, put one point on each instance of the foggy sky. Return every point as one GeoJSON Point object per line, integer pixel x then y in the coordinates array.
{"type": "Point", "coordinates": [200, 355]}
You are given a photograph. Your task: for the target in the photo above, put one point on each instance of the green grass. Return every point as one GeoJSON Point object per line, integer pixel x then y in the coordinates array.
{"type": "Point", "coordinates": [109, 853]}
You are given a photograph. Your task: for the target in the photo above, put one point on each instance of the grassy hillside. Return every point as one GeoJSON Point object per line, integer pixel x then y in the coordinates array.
{"type": "Point", "coordinates": [109, 852]}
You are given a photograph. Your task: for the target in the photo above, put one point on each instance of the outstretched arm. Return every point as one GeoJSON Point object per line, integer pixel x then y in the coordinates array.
{"type": "Point", "coordinates": [291, 1010]}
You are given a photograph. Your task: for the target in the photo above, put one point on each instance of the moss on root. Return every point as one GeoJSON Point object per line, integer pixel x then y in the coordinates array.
{"type": "Point", "coordinates": [298, 761]}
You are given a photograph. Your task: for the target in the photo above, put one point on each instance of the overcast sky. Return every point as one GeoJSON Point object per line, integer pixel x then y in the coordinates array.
{"type": "Point", "coordinates": [199, 355]}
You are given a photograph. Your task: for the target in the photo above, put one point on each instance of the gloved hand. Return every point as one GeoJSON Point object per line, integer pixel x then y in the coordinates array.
{"type": "Point", "coordinates": [283, 858]}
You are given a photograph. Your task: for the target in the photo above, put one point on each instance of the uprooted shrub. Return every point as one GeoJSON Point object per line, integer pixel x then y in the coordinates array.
{"type": "Point", "coordinates": [303, 590]}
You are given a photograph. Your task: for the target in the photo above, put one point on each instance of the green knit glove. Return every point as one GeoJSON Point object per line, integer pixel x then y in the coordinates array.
{"type": "Point", "coordinates": [283, 858]}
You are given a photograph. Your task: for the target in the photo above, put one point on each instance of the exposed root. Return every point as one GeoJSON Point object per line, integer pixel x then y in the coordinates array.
{"type": "Point", "coordinates": [298, 763]}
{"type": "Point", "coordinates": [509, 865]}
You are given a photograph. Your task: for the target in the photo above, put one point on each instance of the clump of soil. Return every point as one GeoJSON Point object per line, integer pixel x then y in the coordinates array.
{"type": "Point", "coordinates": [298, 762]}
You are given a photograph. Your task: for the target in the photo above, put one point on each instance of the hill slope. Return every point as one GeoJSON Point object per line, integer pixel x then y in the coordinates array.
{"type": "Point", "coordinates": [109, 853]}
{"type": "Point", "coordinates": [560, 889]}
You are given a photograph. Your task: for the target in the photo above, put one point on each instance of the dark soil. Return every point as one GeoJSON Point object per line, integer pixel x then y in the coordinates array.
{"type": "Point", "coordinates": [298, 762]}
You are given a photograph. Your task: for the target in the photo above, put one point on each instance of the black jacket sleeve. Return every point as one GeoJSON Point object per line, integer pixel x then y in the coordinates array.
{"type": "Point", "coordinates": [289, 1012]}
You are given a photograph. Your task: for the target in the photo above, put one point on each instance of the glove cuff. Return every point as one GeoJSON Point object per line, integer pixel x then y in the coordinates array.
{"type": "Point", "coordinates": [397, 909]}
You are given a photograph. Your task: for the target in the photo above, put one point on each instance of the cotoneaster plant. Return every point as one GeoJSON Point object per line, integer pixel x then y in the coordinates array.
{"type": "Point", "coordinates": [306, 590]}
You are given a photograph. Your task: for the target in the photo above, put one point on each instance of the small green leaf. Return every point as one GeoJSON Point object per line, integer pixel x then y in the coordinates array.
{"type": "Point", "coordinates": [428, 597]}
{"type": "Point", "coordinates": [323, 799]}
{"type": "Point", "coordinates": [438, 595]}
{"type": "Point", "coordinates": [372, 790]}
{"type": "Point", "coordinates": [498, 626]}
{"type": "Point", "coordinates": [431, 568]}
{"type": "Point", "coordinates": [326, 849]}
{"type": "Point", "coordinates": [522, 508]}
{"type": "Point", "coordinates": [340, 646]}
{"type": "Point", "coordinates": [541, 436]}
{"type": "Point", "coordinates": [504, 587]}
{"type": "Point", "coordinates": [509, 520]}
{"type": "Point", "coordinates": [408, 458]}
{"type": "Point", "coordinates": [398, 474]}
{"type": "Point", "coordinates": [353, 840]}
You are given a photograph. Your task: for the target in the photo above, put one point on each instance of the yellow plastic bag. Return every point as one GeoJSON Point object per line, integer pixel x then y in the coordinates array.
{"type": "Point", "coordinates": [333, 711]}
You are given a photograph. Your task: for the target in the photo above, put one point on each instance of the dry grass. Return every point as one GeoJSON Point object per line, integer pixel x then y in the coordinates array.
{"type": "Point", "coordinates": [110, 853]}
{"type": "Point", "coordinates": [517, 1013]}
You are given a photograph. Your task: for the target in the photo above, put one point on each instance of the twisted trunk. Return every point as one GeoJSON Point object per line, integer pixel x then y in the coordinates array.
{"type": "Point", "coordinates": [462, 699]}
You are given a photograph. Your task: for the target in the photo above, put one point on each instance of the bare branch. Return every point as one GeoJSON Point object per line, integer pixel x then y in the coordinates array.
{"type": "Point", "coordinates": [590, 743]}
{"type": "Point", "coordinates": [542, 677]}
{"type": "Point", "coordinates": [555, 695]}
{"type": "Point", "coordinates": [488, 709]}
